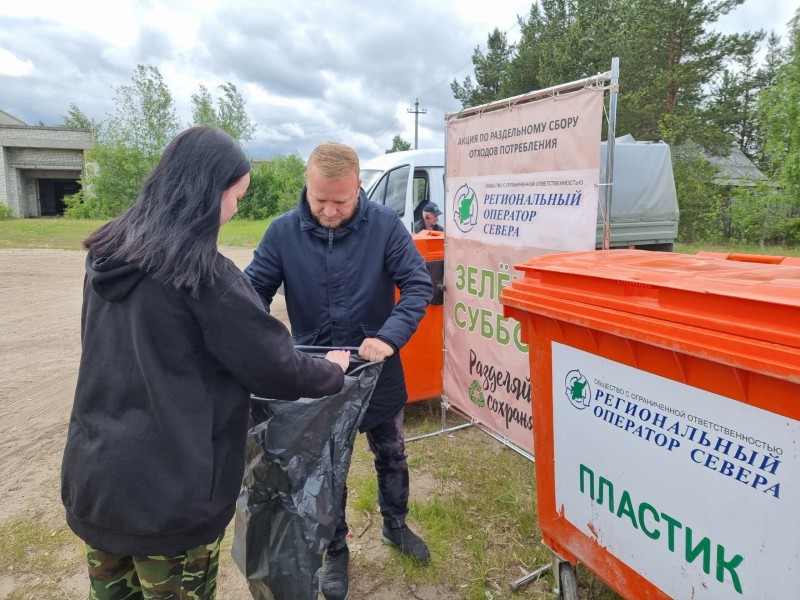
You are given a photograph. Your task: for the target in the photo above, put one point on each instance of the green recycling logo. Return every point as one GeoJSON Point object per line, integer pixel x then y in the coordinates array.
{"type": "Point", "coordinates": [476, 394]}
{"type": "Point", "coordinates": [465, 208]}
{"type": "Point", "coordinates": [577, 389]}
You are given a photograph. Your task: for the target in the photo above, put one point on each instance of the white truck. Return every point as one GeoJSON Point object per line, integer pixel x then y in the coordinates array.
{"type": "Point", "coordinates": [644, 205]}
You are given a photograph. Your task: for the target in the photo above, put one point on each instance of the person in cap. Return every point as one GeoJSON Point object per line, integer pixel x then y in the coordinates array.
{"type": "Point", "coordinates": [430, 219]}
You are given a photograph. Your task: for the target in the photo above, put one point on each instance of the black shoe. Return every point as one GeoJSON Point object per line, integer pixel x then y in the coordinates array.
{"type": "Point", "coordinates": [334, 583]}
{"type": "Point", "coordinates": [407, 542]}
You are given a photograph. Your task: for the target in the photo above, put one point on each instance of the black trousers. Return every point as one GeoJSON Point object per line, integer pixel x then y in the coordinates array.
{"type": "Point", "coordinates": [387, 443]}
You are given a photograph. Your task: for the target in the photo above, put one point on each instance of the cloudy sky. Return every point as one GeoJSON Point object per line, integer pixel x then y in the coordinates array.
{"type": "Point", "coordinates": [308, 70]}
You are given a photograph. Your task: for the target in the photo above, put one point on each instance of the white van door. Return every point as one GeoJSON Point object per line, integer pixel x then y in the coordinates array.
{"type": "Point", "coordinates": [395, 189]}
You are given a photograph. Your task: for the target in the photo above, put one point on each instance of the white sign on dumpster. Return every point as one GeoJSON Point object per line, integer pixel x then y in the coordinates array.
{"type": "Point", "coordinates": [696, 492]}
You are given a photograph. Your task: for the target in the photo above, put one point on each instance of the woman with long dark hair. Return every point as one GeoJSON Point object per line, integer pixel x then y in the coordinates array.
{"type": "Point", "coordinates": [174, 341]}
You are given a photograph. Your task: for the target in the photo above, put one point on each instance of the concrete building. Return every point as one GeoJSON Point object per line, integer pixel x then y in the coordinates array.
{"type": "Point", "coordinates": [39, 166]}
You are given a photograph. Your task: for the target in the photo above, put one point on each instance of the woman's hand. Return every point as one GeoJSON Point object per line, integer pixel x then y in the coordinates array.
{"type": "Point", "coordinates": [340, 357]}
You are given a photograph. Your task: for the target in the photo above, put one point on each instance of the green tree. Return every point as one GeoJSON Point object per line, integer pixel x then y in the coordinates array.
{"type": "Point", "coordinates": [229, 115]}
{"type": "Point", "coordinates": [145, 116]}
{"type": "Point", "coordinates": [203, 112]}
{"type": "Point", "coordinates": [767, 73]}
{"type": "Point", "coordinates": [699, 199]}
{"type": "Point", "coordinates": [113, 175]}
{"type": "Point", "coordinates": [668, 54]}
{"type": "Point", "coordinates": [399, 145]}
{"type": "Point", "coordinates": [490, 72]}
{"type": "Point", "coordinates": [667, 63]}
{"type": "Point", "coordinates": [779, 108]}
{"type": "Point", "coordinates": [563, 41]}
{"type": "Point", "coordinates": [732, 109]}
{"type": "Point", "coordinates": [776, 57]}
{"type": "Point", "coordinates": [77, 119]}
{"type": "Point", "coordinates": [275, 185]}
{"type": "Point", "coordinates": [128, 146]}
{"type": "Point", "coordinates": [758, 215]}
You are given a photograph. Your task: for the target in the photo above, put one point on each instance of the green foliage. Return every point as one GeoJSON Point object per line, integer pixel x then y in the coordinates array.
{"type": "Point", "coordinates": [760, 215]}
{"type": "Point", "coordinates": [399, 145]}
{"type": "Point", "coordinates": [680, 81]}
{"type": "Point", "coordinates": [780, 115]}
{"type": "Point", "coordinates": [490, 72]}
{"type": "Point", "coordinates": [76, 119]}
{"type": "Point", "coordinates": [112, 178]}
{"type": "Point", "coordinates": [127, 147]}
{"type": "Point", "coordinates": [275, 185]}
{"type": "Point", "coordinates": [732, 110]}
{"type": "Point", "coordinates": [131, 143]}
{"type": "Point", "coordinates": [667, 57]}
{"type": "Point", "coordinates": [472, 501]}
{"type": "Point", "coordinates": [667, 64]}
{"type": "Point", "coordinates": [5, 212]}
{"type": "Point", "coordinates": [565, 40]}
{"type": "Point", "coordinates": [203, 112]}
{"type": "Point", "coordinates": [699, 200]}
{"type": "Point", "coordinates": [145, 117]}
{"type": "Point", "coordinates": [230, 115]}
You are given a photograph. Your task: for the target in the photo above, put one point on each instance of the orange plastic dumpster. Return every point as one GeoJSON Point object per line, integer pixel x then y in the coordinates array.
{"type": "Point", "coordinates": [666, 408]}
{"type": "Point", "coordinates": [422, 356]}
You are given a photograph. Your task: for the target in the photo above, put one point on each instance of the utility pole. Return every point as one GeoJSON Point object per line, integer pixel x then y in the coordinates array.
{"type": "Point", "coordinates": [417, 112]}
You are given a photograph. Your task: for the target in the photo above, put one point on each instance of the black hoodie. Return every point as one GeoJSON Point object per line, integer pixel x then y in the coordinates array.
{"type": "Point", "coordinates": [155, 450]}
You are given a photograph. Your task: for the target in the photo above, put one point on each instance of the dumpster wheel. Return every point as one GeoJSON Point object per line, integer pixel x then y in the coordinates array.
{"type": "Point", "coordinates": [568, 581]}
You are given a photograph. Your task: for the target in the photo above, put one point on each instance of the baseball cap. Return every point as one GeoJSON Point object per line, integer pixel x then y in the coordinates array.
{"type": "Point", "coordinates": [432, 207]}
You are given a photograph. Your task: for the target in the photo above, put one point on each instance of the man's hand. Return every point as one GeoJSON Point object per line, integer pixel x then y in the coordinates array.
{"type": "Point", "coordinates": [375, 350]}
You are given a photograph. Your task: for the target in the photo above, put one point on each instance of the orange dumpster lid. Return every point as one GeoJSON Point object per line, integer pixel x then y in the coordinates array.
{"type": "Point", "coordinates": [430, 244]}
{"type": "Point", "coordinates": [742, 295]}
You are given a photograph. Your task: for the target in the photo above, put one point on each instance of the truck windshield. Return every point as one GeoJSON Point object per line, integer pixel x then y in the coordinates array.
{"type": "Point", "coordinates": [369, 177]}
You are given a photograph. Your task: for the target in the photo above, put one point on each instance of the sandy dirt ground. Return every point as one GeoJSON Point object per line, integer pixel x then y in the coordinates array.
{"type": "Point", "coordinates": [40, 300]}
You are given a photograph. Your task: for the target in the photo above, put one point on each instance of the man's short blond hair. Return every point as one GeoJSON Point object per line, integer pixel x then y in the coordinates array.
{"type": "Point", "coordinates": [334, 160]}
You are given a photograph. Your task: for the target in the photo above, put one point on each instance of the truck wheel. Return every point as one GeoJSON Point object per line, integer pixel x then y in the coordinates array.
{"type": "Point", "coordinates": [568, 582]}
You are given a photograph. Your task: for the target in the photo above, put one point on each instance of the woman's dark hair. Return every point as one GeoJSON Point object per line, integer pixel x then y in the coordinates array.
{"type": "Point", "coordinates": [171, 230]}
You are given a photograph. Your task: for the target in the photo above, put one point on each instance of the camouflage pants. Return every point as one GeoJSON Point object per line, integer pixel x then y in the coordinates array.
{"type": "Point", "coordinates": [188, 576]}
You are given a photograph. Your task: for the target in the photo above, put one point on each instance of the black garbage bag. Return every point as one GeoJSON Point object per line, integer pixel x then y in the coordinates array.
{"type": "Point", "coordinates": [298, 454]}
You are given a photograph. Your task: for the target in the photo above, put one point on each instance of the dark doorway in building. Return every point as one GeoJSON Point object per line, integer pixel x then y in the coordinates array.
{"type": "Point", "coordinates": [51, 195]}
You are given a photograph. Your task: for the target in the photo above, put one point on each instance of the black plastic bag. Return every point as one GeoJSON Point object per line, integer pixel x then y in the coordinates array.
{"type": "Point", "coordinates": [298, 455]}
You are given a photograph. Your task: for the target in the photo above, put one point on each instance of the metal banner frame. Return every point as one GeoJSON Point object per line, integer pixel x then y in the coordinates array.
{"type": "Point", "coordinates": [609, 81]}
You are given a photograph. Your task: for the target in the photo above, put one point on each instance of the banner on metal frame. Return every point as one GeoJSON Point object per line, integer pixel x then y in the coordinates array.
{"type": "Point", "coordinates": [521, 181]}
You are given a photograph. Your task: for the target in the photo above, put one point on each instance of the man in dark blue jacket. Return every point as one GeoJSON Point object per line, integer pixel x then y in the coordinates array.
{"type": "Point", "coordinates": [339, 257]}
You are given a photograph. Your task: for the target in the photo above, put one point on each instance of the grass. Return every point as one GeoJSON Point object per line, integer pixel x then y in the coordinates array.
{"type": "Point", "coordinates": [39, 553]}
{"type": "Point", "coordinates": [64, 234]}
{"type": "Point", "coordinates": [246, 234]}
{"type": "Point", "coordinates": [738, 249]}
{"type": "Point", "coordinates": [32, 546]}
{"type": "Point", "coordinates": [67, 234]}
{"type": "Point", "coordinates": [477, 513]}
